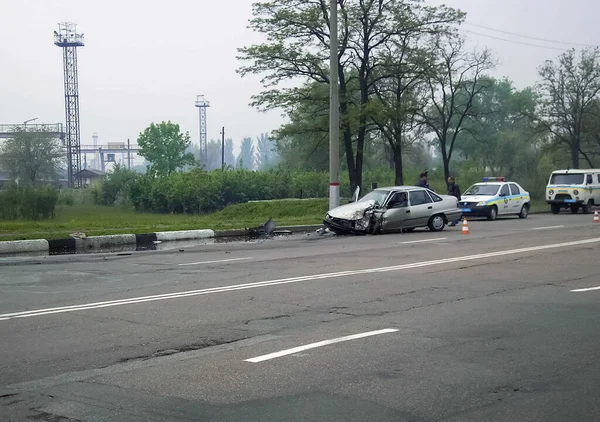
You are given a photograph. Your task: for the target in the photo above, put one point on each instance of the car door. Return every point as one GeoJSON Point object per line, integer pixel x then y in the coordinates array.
{"type": "Point", "coordinates": [397, 211]}
{"type": "Point", "coordinates": [516, 201]}
{"type": "Point", "coordinates": [503, 204]}
{"type": "Point", "coordinates": [421, 207]}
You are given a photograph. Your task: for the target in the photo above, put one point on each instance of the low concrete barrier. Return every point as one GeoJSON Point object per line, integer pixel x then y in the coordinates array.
{"type": "Point", "coordinates": [25, 246]}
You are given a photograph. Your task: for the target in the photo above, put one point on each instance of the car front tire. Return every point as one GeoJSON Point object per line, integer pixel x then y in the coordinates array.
{"type": "Point", "coordinates": [493, 213]}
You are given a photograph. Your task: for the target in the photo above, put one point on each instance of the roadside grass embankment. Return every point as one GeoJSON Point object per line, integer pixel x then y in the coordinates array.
{"type": "Point", "coordinates": [96, 220]}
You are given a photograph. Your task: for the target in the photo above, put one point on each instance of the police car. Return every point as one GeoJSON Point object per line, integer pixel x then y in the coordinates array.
{"type": "Point", "coordinates": [494, 197]}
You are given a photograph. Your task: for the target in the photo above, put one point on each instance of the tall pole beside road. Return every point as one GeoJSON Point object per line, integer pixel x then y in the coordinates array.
{"type": "Point", "coordinates": [334, 109]}
{"type": "Point", "coordinates": [223, 148]}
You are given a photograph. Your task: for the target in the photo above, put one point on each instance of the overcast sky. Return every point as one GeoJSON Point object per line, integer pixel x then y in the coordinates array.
{"type": "Point", "coordinates": [145, 60]}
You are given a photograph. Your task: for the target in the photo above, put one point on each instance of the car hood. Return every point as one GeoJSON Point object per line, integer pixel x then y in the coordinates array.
{"type": "Point", "coordinates": [352, 211]}
{"type": "Point", "coordinates": [476, 198]}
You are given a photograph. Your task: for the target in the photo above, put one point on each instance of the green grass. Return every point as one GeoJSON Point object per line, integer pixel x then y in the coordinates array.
{"type": "Point", "coordinates": [95, 220]}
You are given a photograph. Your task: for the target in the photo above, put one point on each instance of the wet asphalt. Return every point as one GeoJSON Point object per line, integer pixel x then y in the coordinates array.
{"type": "Point", "coordinates": [478, 327]}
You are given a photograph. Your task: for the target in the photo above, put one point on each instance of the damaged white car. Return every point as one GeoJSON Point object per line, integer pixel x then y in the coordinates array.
{"type": "Point", "coordinates": [395, 209]}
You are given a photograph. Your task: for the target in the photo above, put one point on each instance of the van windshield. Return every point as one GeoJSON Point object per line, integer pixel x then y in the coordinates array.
{"type": "Point", "coordinates": [566, 179]}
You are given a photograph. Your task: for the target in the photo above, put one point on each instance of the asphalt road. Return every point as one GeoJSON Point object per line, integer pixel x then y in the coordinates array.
{"type": "Point", "coordinates": [413, 327]}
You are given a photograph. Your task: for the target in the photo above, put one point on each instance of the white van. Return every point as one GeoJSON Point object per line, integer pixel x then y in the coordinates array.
{"type": "Point", "coordinates": [573, 189]}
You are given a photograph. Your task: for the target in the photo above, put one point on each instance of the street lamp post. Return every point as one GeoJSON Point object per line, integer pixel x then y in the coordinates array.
{"type": "Point", "coordinates": [334, 110]}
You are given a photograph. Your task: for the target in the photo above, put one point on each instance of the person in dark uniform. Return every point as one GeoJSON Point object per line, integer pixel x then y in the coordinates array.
{"type": "Point", "coordinates": [453, 190]}
{"type": "Point", "coordinates": [422, 182]}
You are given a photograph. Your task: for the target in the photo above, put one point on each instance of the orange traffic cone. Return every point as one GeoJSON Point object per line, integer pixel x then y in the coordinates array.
{"type": "Point", "coordinates": [465, 226]}
{"type": "Point", "coordinates": [596, 219]}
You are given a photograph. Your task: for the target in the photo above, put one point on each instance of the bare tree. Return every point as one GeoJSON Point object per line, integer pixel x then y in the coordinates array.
{"type": "Point", "coordinates": [453, 84]}
{"type": "Point", "coordinates": [569, 91]}
{"type": "Point", "coordinates": [32, 156]}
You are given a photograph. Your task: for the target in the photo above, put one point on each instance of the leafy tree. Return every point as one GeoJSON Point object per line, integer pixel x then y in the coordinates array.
{"type": "Point", "coordinates": [247, 156]}
{"type": "Point", "coordinates": [32, 156]}
{"type": "Point", "coordinates": [265, 154]}
{"type": "Point", "coordinates": [454, 84]}
{"type": "Point", "coordinates": [229, 155]}
{"type": "Point", "coordinates": [570, 90]}
{"type": "Point", "coordinates": [164, 146]}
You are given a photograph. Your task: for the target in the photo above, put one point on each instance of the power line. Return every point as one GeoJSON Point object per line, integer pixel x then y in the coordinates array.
{"type": "Point", "coordinates": [528, 36]}
{"type": "Point", "coordinates": [517, 42]}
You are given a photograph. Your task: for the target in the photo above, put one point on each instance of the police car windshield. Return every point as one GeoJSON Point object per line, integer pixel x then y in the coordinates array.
{"type": "Point", "coordinates": [566, 179]}
{"type": "Point", "coordinates": [481, 190]}
{"type": "Point", "coordinates": [377, 195]}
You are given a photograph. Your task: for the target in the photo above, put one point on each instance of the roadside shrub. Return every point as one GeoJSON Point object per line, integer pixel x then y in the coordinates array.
{"type": "Point", "coordinates": [28, 203]}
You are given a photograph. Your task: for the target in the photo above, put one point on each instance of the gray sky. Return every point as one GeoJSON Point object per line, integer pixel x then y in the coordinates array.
{"type": "Point", "coordinates": [145, 60]}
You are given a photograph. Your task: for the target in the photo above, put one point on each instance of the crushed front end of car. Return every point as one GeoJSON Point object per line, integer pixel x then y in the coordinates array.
{"type": "Point", "coordinates": [353, 218]}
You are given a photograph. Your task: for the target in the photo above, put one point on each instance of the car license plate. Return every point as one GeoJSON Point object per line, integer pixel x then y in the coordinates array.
{"type": "Point", "coordinates": [465, 209]}
{"type": "Point", "coordinates": [569, 200]}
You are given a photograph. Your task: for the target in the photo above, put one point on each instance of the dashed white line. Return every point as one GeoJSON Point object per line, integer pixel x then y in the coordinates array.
{"type": "Point", "coordinates": [423, 240]}
{"type": "Point", "coordinates": [234, 287]}
{"type": "Point", "coordinates": [318, 344]}
{"type": "Point", "coordinates": [587, 289]}
{"type": "Point", "coordinates": [548, 228]}
{"type": "Point", "coordinates": [213, 262]}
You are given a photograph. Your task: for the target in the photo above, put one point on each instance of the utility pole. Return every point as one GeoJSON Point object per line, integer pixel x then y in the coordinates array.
{"type": "Point", "coordinates": [334, 109]}
{"type": "Point", "coordinates": [128, 155]}
{"type": "Point", "coordinates": [223, 148]}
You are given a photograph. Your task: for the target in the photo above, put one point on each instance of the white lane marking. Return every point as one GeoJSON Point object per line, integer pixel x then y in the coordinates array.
{"type": "Point", "coordinates": [587, 289]}
{"type": "Point", "coordinates": [318, 344]}
{"type": "Point", "coordinates": [423, 240]}
{"type": "Point", "coordinates": [213, 262]}
{"type": "Point", "coordinates": [547, 227]}
{"type": "Point", "coordinates": [234, 287]}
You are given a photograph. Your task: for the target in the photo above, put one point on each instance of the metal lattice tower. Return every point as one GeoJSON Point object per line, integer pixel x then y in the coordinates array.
{"type": "Point", "coordinates": [68, 39]}
{"type": "Point", "coordinates": [202, 105]}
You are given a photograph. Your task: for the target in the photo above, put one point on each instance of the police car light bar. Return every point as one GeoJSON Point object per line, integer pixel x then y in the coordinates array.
{"type": "Point", "coordinates": [494, 179]}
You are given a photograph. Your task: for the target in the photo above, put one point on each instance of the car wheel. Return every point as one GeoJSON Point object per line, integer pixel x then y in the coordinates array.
{"type": "Point", "coordinates": [436, 223]}
{"type": "Point", "coordinates": [493, 213]}
{"type": "Point", "coordinates": [574, 209]}
{"type": "Point", "coordinates": [524, 212]}
{"type": "Point", "coordinates": [586, 208]}
{"type": "Point", "coordinates": [555, 209]}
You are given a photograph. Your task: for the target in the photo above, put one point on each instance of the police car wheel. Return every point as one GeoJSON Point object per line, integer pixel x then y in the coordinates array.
{"type": "Point", "coordinates": [524, 212]}
{"type": "Point", "coordinates": [493, 213]}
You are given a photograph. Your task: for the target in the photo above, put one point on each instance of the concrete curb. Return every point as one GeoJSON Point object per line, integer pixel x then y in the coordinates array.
{"type": "Point", "coordinates": [121, 242]}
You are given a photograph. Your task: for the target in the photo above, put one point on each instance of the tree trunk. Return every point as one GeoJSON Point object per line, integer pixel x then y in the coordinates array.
{"type": "Point", "coordinates": [398, 178]}
{"type": "Point", "coordinates": [347, 134]}
{"type": "Point", "coordinates": [575, 152]}
{"type": "Point", "coordinates": [446, 161]}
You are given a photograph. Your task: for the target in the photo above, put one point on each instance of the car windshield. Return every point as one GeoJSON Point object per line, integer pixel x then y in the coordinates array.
{"type": "Point", "coordinates": [566, 179]}
{"type": "Point", "coordinates": [481, 190]}
{"type": "Point", "coordinates": [377, 195]}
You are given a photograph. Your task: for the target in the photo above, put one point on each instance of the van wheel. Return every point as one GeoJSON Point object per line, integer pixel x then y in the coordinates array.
{"type": "Point", "coordinates": [554, 208]}
{"type": "Point", "coordinates": [524, 212]}
{"type": "Point", "coordinates": [574, 209]}
{"type": "Point", "coordinates": [586, 208]}
{"type": "Point", "coordinates": [493, 213]}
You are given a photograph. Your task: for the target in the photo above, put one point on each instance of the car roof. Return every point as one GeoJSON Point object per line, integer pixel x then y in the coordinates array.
{"type": "Point", "coordinates": [400, 188]}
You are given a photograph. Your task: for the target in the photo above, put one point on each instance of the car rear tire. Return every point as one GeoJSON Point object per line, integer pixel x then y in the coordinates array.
{"type": "Point", "coordinates": [555, 209]}
{"type": "Point", "coordinates": [436, 223]}
{"type": "Point", "coordinates": [524, 212]}
{"type": "Point", "coordinates": [574, 209]}
{"type": "Point", "coordinates": [493, 213]}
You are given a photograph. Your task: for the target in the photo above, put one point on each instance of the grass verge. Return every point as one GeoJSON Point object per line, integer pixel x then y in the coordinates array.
{"type": "Point", "coordinates": [95, 220]}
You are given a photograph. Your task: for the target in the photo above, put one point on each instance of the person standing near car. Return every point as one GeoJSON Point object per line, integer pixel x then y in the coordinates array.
{"type": "Point", "coordinates": [453, 190]}
{"type": "Point", "coordinates": [422, 182]}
